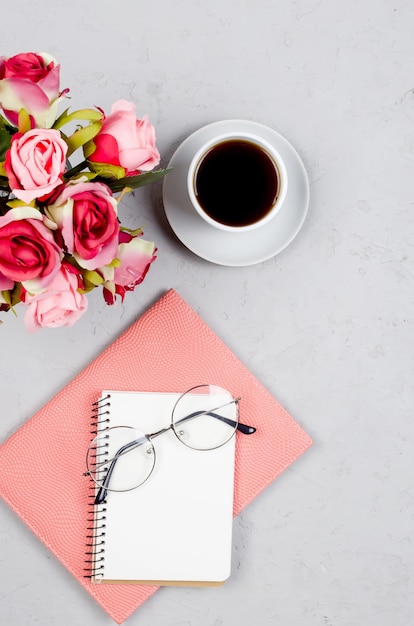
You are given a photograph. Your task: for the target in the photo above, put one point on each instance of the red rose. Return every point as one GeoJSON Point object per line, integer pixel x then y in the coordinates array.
{"type": "Point", "coordinates": [28, 251]}
{"type": "Point", "coordinates": [86, 215]}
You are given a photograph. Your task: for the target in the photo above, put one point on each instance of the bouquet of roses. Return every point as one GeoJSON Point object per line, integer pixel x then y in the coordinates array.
{"type": "Point", "coordinates": [60, 236]}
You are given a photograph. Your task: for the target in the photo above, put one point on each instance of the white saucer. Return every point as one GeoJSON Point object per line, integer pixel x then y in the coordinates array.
{"type": "Point", "coordinates": [228, 248]}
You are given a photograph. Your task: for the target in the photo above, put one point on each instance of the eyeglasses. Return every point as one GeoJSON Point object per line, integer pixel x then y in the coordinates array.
{"type": "Point", "coordinates": [122, 458]}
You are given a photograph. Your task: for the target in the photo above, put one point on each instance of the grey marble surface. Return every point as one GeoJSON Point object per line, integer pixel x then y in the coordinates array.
{"type": "Point", "coordinates": [327, 325]}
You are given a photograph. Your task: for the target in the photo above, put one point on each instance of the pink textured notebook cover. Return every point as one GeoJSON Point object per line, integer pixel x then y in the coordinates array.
{"type": "Point", "coordinates": [168, 349]}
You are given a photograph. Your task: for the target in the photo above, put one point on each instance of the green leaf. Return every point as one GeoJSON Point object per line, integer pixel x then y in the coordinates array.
{"type": "Point", "coordinates": [24, 121]}
{"type": "Point", "coordinates": [58, 121]}
{"type": "Point", "coordinates": [7, 297]}
{"type": "Point", "coordinates": [93, 277]}
{"type": "Point", "coordinates": [88, 285]}
{"type": "Point", "coordinates": [133, 232]}
{"type": "Point", "coordinates": [134, 182]}
{"type": "Point", "coordinates": [89, 148]}
{"type": "Point", "coordinates": [81, 136]}
{"type": "Point", "coordinates": [5, 141]}
{"type": "Point", "coordinates": [12, 297]}
{"type": "Point", "coordinates": [5, 124]}
{"type": "Point", "coordinates": [16, 293]}
{"type": "Point", "coordinates": [106, 170]}
{"type": "Point", "coordinates": [90, 115]}
{"type": "Point", "coordinates": [86, 289]}
{"type": "Point", "coordinates": [16, 203]}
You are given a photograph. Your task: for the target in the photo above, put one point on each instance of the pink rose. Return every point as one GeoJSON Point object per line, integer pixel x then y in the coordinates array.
{"type": "Point", "coordinates": [86, 215]}
{"type": "Point", "coordinates": [28, 251]}
{"type": "Point", "coordinates": [30, 81]}
{"type": "Point", "coordinates": [5, 283]}
{"type": "Point", "coordinates": [135, 256]}
{"type": "Point", "coordinates": [35, 163]}
{"type": "Point", "coordinates": [124, 141]}
{"type": "Point", "coordinates": [60, 305]}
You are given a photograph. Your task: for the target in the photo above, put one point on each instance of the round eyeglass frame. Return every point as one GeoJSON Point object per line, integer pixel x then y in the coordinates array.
{"type": "Point", "coordinates": [233, 421]}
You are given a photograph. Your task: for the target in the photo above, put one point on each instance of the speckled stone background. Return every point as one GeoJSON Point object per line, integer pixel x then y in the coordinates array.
{"type": "Point", "coordinates": [327, 325]}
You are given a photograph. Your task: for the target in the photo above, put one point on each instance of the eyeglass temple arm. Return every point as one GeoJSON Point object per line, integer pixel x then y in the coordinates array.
{"type": "Point", "coordinates": [103, 489]}
{"type": "Point", "coordinates": [243, 428]}
{"type": "Point", "coordinates": [246, 430]}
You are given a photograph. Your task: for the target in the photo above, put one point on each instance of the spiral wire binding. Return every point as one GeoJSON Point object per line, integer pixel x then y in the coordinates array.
{"type": "Point", "coordinates": [95, 545]}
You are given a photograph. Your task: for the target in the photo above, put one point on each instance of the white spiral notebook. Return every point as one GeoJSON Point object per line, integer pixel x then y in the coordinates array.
{"type": "Point", "coordinates": [176, 527]}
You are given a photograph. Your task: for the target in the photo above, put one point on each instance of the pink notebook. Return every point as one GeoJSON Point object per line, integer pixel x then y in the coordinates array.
{"type": "Point", "coordinates": [169, 348]}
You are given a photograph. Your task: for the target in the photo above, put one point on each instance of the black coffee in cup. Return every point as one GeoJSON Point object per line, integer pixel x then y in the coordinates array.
{"type": "Point", "coordinates": [236, 182]}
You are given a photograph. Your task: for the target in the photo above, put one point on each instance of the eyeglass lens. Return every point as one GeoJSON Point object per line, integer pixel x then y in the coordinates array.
{"type": "Point", "coordinates": [205, 417]}
{"type": "Point", "coordinates": [121, 457]}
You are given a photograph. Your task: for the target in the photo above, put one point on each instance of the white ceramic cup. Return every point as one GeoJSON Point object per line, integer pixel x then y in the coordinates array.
{"type": "Point", "coordinates": [265, 147]}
